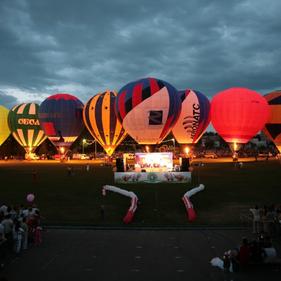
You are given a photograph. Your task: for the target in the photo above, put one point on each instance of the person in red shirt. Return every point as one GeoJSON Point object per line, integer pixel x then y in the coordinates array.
{"type": "Point", "coordinates": [244, 253]}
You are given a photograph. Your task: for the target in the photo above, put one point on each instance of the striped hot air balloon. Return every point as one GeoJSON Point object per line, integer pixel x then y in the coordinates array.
{"type": "Point", "coordinates": [272, 128]}
{"type": "Point", "coordinates": [25, 126]}
{"type": "Point", "coordinates": [148, 108]}
{"type": "Point", "coordinates": [101, 121]}
{"type": "Point", "coordinates": [194, 117]}
{"type": "Point", "coordinates": [4, 127]}
{"type": "Point", "coordinates": [60, 116]}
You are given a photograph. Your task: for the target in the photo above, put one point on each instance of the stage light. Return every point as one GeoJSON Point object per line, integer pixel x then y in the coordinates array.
{"type": "Point", "coordinates": [62, 150]}
{"type": "Point", "coordinates": [186, 150]}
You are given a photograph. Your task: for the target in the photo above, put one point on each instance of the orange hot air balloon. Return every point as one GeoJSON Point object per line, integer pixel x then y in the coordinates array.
{"type": "Point", "coordinates": [238, 114]}
{"type": "Point", "coordinates": [101, 121]}
{"type": "Point", "coordinates": [272, 128]}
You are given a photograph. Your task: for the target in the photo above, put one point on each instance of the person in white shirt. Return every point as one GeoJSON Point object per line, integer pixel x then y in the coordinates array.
{"type": "Point", "coordinates": [18, 233]}
{"type": "Point", "coordinates": [8, 230]}
{"type": "Point", "coordinates": [256, 219]}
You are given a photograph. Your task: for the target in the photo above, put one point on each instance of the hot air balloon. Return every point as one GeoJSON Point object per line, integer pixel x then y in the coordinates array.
{"type": "Point", "coordinates": [101, 121]}
{"type": "Point", "coordinates": [4, 127]}
{"type": "Point", "coordinates": [148, 109]}
{"type": "Point", "coordinates": [238, 114]}
{"type": "Point", "coordinates": [60, 117]}
{"type": "Point", "coordinates": [272, 128]}
{"type": "Point", "coordinates": [194, 117]}
{"type": "Point", "coordinates": [25, 127]}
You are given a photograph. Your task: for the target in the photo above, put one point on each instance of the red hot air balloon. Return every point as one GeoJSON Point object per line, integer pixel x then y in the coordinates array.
{"type": "Point", "coordinates": [238, 114]}
{"type": "Point", "coordinates": [60, 117]}
{"type": "Point", "coordinates": [148, 109]}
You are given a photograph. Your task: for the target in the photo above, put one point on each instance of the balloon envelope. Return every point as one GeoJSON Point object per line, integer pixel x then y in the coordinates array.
{"type": "Point", "coordinates": [30, 197]}
{"type": "Point", "coordinates": [238, 114]}
{"type": "Point", "coordinates": [148, 109]}
{"type": "Point", "coordinates": [101, 121]}
{"type": "Point", "coordinates": [4, 127]}
{"type": "Point", "coordinates": [272, 128]}
{"type": "Point", "coordinates": [60, 117]}
{"type": "Point", "coordinates": [194, 117]}
{"type": "Point", "coordinates": [25, 127]}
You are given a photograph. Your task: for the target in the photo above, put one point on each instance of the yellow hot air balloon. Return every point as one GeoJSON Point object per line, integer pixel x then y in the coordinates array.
{"type": "Point", "coordinates": [4, 127]}
{"type": "Point", "coordinates": [101, 121]}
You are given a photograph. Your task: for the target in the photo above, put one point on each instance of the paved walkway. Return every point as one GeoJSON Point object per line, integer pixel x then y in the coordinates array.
{"type": "Point", "coordinates": [132, 255]}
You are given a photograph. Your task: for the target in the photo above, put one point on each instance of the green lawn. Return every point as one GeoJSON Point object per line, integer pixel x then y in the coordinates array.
{"type": "Point", "coordinates": [74, 200]}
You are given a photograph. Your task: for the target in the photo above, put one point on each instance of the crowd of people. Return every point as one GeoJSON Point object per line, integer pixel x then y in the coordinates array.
{"type": "Point", "coordinates": [267, 219]}
{"type": "Point", "coordinates": [266, 224]}
{"type": "Point", "coordinates": [257, 251]}
{"type": "Point", "coordinates": [20, 227]}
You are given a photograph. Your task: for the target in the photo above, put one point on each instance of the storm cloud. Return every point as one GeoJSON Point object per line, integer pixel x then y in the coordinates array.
{"type": "Point", "coordinates": [85, 47]}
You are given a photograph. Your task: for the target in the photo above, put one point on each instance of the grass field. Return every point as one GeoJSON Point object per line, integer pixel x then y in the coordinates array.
{"type": "Point", "coordinates": [76, 199]}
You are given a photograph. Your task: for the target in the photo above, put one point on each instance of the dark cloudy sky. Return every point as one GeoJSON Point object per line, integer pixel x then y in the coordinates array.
{"type": "Point", "coordinates": [86, 46]}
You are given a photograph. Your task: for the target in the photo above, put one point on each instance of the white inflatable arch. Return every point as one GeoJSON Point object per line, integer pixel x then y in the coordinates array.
{"type": "Point", "coordinates": [134, 200]}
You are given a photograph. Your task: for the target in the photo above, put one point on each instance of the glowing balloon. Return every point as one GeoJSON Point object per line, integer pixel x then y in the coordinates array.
{"type": "Point", "coordinates": [148, 109]}
{"type": "Point", "coordinates": [272, 128]}
{"type": "Point", "coordinates": [238, 114]}
{"type": "Point", "coordinates": [30, 197]}
{"type": "Point", "coordinates": [4, 127]}
{"type": "Point", "coordinates": [25, 126]}
{"type": "Point", "coordinates": [60, 117]}
{"type": "Point", "coordinates": [194, 117]}
{"type": "Point", "coordinates": [101, 121]}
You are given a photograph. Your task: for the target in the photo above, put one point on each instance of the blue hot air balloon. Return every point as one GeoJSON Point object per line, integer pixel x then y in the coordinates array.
{"type": "Point", "coordinates": [61, 119]}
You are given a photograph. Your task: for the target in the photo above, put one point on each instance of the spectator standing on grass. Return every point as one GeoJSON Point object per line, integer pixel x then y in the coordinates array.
{"type": "Point", "coordinates": [23, 212]}
{"type": "Point", "coordinates": [264, 226]}
{"type": "Point", "coordinates": [69, 171]}
{"type": "Point", "coordinates": [234, 260]}
{"type": "Point", "coordinates": [270, 220]}
{"type": "Point", "coordinates": [256, 252]}
{"type": "Point", "coordinates": [3, 209]}
{"type": "Point", "coordinates": [32, 224]}
{"type": "Point", "coordinates": [1, 216]}
{"type": "Point", "coordinates": [244, 253]}
{"type": "Point", "coordinates": [278, 222]}
{"type": "Point", "coordinates": [17, 236]}
{"type": "Point", "coordinates": [2, 232]}
{"type": "Point", "coordinates": [38, 229]}
{"type": "Point", "coordinates": [8, 230]}
{"type": "Point", "coordinates": [13, 213]}
{"type": "Point", "coordinates": [226, 262]}
{"type": "Point", "coordinates": [24, 226]}
{"type": "Point", "coordinates": [3, 246]}
{"type": "Point", "coordinates": [256, 219]}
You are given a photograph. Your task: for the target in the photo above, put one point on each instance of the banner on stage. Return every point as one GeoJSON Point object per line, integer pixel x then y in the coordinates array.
{"type": "Point", "coordinates": [152, 177]}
